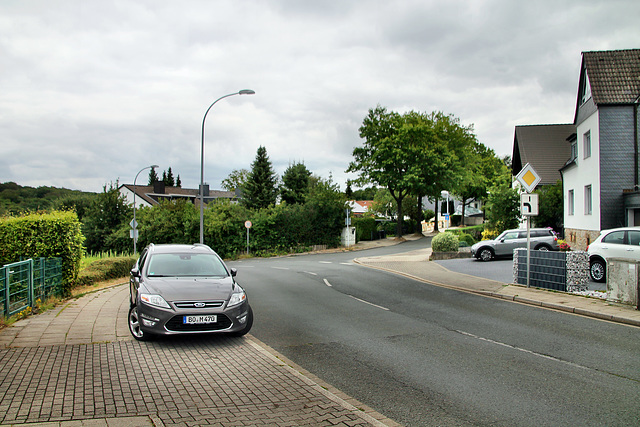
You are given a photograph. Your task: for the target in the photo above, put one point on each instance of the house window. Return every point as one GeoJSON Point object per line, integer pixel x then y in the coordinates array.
{"type": "Point", "coordinates": [585, 90]}
{"type": "Point", "coordinates": [586, 142]}
{"type": "Point", "coordinates": [574, 150]}
{"type": "Point", "coordinates": [571, 199]}
{"type": "Point", "coordinates": [587, 200]}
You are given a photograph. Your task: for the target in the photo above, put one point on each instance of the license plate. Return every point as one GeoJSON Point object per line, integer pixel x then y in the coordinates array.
{"type": "Point", "coordinates": [199, 320]}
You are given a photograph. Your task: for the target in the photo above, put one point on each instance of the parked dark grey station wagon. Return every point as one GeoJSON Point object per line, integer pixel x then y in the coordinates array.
{"type": "Point", "coordinates": [542, 239]}
{"type": "Point", "coordinates": [185, 289]}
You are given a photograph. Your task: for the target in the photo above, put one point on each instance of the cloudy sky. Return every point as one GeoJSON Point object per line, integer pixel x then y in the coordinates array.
{"type": "Point", "coordinates": [93, 91]}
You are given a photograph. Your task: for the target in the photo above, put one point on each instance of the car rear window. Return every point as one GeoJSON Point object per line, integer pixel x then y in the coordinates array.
{"type": "Point", "coordinates": [634, 238]}
{"type": "Point", "coordinates": [616, 238]}
{"type": "Point", "coordinates": [184, 264]}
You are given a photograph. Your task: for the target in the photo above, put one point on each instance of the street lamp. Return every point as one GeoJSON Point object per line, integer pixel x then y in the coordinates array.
{"type": "Point", "coordinates": [445, 194]}
{"type": "Point", "coordinates": [134, 224]}
{"type": "Point", "coordinates": [241, 92]}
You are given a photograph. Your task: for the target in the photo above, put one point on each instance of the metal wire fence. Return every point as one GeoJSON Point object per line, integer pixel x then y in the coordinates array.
{"type": "Point", "coordinates": [25, 282]}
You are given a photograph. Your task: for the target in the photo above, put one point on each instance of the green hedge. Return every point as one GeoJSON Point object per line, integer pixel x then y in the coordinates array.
{"type": "Point", "coordinates": [106, 269]}
{"type": "Point", "coordinates": [366, 228]}
{"type": "Point", "coordinates": [55, 234]}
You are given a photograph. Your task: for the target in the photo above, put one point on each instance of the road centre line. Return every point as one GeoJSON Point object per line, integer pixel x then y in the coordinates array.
{"type": "Point", "coordinates": [325, 262]}
{"type": "Point", "coordinates": [524, 350]}
{"type": "Point", "coordinates": [311, 273]}
{"type": "Point", "coordinates": [280, 268]}
{"type": "Point", "coordinates": [370, 303]}
{"type": "Point", "coordinates": [326, 282]}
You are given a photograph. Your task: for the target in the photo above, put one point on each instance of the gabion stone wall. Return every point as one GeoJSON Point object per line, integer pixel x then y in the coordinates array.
{"type": "Point", "coordinates": [577, 271]}
{"type": "Point", "coordinates": [562, 271]}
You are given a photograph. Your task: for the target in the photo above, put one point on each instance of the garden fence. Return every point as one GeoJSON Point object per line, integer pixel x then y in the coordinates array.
{"type": "Point", "coordinates": [25, 282]}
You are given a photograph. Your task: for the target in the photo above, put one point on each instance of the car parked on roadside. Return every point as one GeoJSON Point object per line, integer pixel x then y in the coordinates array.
{"type": "Point", "coordinates": [542, 239]}
{"type": "Point", "coordinates": [185, 289]}
{"type": "Point", "coordinates": [621, 242]}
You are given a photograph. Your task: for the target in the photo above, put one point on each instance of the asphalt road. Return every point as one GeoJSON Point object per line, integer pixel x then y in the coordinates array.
{"type": "Point", "coordinates": [425, 355]}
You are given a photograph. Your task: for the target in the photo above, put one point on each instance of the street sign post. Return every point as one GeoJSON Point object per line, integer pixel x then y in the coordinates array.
{"type": "Point", "coordinates": [247, 225]}
{"type": "Point", "coordinates": [529, 179]}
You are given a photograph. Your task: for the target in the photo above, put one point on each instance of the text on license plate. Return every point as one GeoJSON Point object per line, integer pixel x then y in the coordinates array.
{"type": "Point", "coordinates": [195, 320]}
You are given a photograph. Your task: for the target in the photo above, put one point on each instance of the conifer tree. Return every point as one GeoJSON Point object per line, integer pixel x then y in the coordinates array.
{"type": "Point", "coordinates": [260, 190]}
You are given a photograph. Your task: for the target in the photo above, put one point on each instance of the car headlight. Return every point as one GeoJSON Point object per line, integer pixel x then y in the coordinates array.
{"type": "Point", "coordinates": [156, 300]}
{"type": "Point", "coordinates": [237, 297]}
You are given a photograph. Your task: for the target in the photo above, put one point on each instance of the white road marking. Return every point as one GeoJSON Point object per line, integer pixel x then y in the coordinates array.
{"type": "Point", "coordinates": [280, 268]}
{"type": "Point", "coordinates": [370, 303]}
{"type": "Point", "coordinates": [311, 273]}
{"type": "Point", "coordinates": [325, 262]}
{"type": "Point", "coordinates": [326, 282]}
{"type": "Point", "coordinates": [524, 350]}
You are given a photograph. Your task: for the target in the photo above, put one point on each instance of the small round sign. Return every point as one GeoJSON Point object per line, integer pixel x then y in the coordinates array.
{"type": "Point", "coordinates": [247, 224]}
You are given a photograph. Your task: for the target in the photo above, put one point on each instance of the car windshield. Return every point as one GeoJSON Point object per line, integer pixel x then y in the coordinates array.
{"type": "Point", "coordinates": [185, 264]}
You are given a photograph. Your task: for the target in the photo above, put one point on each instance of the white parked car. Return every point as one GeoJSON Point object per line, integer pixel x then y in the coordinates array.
{"type": "Point", "coordinates": [614, 243]}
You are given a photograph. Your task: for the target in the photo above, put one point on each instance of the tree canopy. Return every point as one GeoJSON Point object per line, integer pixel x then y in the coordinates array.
{"type": "Point", "coordinates": [295, 184]}
{"type": "Point", "coordinates": [413, 153]}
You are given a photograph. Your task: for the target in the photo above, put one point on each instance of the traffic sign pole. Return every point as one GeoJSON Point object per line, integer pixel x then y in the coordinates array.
{"type": "Point", "coordinates": [529, 179]}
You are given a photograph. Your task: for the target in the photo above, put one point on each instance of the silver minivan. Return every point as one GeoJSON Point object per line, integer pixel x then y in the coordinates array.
{"type": "Point", "coordinates": [542, 239]}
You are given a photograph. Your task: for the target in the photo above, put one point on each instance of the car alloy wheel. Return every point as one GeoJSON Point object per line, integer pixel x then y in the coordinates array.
{"type": "Point", "coordinates": [597, 270]}
{"type": "Point", "coordinates": [486, 254]}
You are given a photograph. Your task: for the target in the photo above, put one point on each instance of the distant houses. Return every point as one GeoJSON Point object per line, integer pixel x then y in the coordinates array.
{"type": "Point", "coordinates": [151, 195]}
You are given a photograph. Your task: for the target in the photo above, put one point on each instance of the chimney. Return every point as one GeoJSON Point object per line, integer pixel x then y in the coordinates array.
{"type": "Point", "coordinates": [158, 187]}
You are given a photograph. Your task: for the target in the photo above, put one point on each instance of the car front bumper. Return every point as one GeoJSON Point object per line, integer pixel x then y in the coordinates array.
{"type": "Point", "coordinates": [161, 321]}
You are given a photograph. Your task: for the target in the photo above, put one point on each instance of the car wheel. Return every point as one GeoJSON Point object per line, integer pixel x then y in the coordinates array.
{"type": "Point", "coordinates": [247, 325]}
{"type": "Point", "coordinates": [598, 270]}
{"type": "Point", "coordinates": [543, 248]}
{"type": "Point", "coordinates": [134, 325]}
{"type": "Point", "coordinates": [485, 254]}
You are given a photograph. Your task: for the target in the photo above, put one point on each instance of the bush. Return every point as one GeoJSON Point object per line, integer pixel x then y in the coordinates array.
{"type": "Point", "coordinates": [489, 234]}
{"type": "Point", "coordinates": [445, 242]}
{"type": "Point", "coordinates": [466, 238]}
{"type": "Point", "coordinates": [106, 269]}
{"type": "Point", "coordinates": [429, 215]}
{"type": "Point", "coordinates": [56, 234]}
{"type": "Point", "coordinates": [366, 228]}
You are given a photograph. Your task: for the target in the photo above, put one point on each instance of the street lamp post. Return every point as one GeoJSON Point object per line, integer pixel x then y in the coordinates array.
{"type": "Point", "coordinates": [134, 224]}
{"type": "Point", "coordinates": [241, 92]}
{"type": "Point", "coordinates": [445, 194]}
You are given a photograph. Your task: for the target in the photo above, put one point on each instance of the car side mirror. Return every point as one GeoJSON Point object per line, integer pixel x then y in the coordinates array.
{"type": "Point", "coordinates": [135, 272]}
{"type": "Point", "coordinates": [234, 272]}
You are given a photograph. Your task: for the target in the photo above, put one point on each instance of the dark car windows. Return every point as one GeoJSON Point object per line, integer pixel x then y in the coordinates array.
{"type": "Point", "coordinates": [634, 237]}
{"type": "Point", "coordinates": [616, 238]}
{"type": "Point", "coordinates": [176, 264]}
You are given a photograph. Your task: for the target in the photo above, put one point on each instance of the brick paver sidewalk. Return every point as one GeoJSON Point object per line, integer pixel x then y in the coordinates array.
{"type": "Point", "coordinates": [78, 365]}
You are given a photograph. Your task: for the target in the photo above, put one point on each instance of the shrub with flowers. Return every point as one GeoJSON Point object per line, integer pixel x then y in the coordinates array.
{"type": "Point", "coordinates": [563, 246]}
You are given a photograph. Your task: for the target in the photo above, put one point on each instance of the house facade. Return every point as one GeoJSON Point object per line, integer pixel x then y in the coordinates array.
{"type": "Point", "coordinates": [601, 177]}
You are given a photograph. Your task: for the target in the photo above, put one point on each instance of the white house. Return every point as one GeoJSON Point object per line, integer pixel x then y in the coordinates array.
{"type": "Point", "coordinates": [601, 178]}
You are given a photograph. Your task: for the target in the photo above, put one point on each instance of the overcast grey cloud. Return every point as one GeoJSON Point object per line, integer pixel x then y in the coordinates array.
{"type": "Point", "coordinates": [93, 91]}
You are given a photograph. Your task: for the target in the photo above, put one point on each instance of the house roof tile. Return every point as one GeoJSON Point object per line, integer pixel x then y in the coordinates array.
{"type": "Point", "coordinates": [545, 147]}
{"type": "Point", "coordinates": [614, 75]}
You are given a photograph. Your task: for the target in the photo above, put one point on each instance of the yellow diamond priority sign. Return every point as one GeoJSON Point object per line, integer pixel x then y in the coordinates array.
{"type": "Point", "coordinates": [528, 178]}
